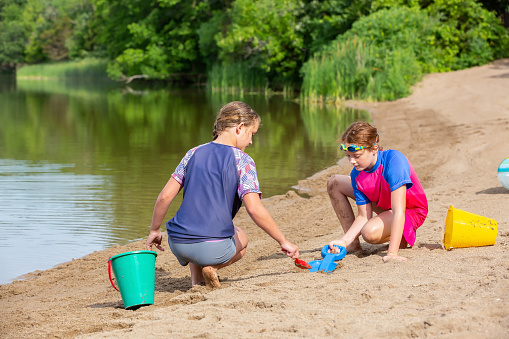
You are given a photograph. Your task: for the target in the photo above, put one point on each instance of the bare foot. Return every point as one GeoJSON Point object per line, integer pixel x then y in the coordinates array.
{"type": "Point", "coordinates": [210, 275]}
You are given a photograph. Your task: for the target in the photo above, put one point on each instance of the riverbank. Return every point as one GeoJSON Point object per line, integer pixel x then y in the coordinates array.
{"type": "Point", "coordinates": [452, 128]}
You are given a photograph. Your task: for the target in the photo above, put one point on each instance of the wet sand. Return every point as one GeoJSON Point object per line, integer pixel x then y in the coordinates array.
{"type": "Point", "coordinates": [454, 129]}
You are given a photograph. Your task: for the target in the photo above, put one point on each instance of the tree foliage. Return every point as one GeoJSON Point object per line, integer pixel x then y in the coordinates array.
{"type": "Point", "coordinates": [267, 38]}
{"type": "Point", "coordinates": [264, 32]}
{"type": "Point", "coordinates": [156, 38]}
{"type": "Point", "coordinates": [468, 34]}
{"type": "Point", "coordinates": [323, 21]}
{"type": "Point", "coordinates": [13, 35]}
{"type": "Point", "coordinates": [379, 58]}
{"type": "Point", "coordinates": [386, 52]}
{"type": "Point", "coordinates": [277, 37]}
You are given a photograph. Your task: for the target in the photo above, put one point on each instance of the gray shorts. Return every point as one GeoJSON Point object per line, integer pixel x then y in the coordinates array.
{"type": "Point", "coordinates": [205, 253]}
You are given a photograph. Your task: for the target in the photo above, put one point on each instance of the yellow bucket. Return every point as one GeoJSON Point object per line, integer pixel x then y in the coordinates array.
{"type": "Point", "coordinates": [464, 229]}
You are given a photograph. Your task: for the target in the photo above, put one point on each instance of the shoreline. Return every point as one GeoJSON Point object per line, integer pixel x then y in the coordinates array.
{"type": "Point", "coordinates": [296, 188]}
{"type": "Point", "coordinates": [450, 129]}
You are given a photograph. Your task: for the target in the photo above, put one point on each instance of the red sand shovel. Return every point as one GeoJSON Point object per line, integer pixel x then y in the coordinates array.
{"type": "Point", "coordinates": [300, 263]}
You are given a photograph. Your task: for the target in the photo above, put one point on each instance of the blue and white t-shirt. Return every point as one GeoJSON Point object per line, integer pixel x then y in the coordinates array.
{"type": "Point", "coordinates": [215, 178]}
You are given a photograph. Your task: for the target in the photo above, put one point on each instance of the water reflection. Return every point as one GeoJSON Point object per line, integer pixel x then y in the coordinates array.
{"type": "Point", "coordinates": [81, 164]}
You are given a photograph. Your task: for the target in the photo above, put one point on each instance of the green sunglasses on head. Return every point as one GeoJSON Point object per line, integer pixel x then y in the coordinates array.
{"type": "Point", "coordinates": [354, 148]}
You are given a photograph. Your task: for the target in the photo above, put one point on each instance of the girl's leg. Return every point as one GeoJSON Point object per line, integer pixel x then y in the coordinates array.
{"type": "Point", "coordinates": [378, 230]}
{"type": "Point", "coordinates": [196, 274]}
{"type": "Point", "coordinates": [340, 189]}
{"type": "Point", "coordinates": [240, 246]}
{"type": "Point", "coordinates": [209, 273]}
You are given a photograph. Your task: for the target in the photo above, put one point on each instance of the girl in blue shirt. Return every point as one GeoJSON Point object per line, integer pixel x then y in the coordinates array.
{"type": "Point", "coordinates": [216, 178]}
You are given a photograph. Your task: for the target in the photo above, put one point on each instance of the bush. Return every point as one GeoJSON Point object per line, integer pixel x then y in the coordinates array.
{"type": "Point", "coordinates": [378, 59]}
{"type": "Point", "coordinates": [468, 34]}
{"type": "Point", "coordinates": [387, 52]}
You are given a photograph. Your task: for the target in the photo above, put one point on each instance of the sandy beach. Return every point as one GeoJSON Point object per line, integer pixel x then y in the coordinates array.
{"type": "Point", "coordinates": [454, 129]}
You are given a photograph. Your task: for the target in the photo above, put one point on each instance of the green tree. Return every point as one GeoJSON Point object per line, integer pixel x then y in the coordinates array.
{"type": "Point", "coordinates": [113, 18]}
{"type": "Point", "coordinates": [323, 21]}
{"type": "Point", "coordinates": [468, 34]}
{"type": "Point", "coordinates": [154, 38]}
{"type": "Point", "coordinates": [13, 34]}
{"type": "Point", "coordinates": [82, 41]}
{"type": "Point", "coordinates": [276, 37]}
{"type": "Point", "coordinates": [501, 7]}
{"type": "Point", "coordinates": [59, 29]}
{"type": "Point", "coordinates": [216, 25]}
{"type": "Point", "coordinates": [265, 34]}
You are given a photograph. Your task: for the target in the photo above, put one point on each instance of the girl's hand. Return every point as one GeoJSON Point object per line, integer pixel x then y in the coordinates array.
{"type": "Point", "coordinates": [290, 249]}
{"type": "Point", "coordinates": [155, 238]}
{"type": "Point", "coordinates": [391, 256]}
{"type": "Point", "coordinates": [338, 242]}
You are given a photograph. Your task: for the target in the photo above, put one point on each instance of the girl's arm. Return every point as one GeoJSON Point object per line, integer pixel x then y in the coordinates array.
{"type": "Point", "coordinates": [364, 213]}
{"type": "Point", "coordinates": [398, 206]}
{"type": "Point", "coordinates": [262, 218]}
{"type": "Point", "coordinates": [163, 202]}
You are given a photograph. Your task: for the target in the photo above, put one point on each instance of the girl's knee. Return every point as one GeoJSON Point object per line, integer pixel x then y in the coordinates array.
{"type": "Point", "coordinates": [338, 183]}
{"type": "Point", "coordinates": [340, 186]}
{"type": "Point", "coordinates": [371, 235]}
{"type": "Point", "coordinates": [331, 183]}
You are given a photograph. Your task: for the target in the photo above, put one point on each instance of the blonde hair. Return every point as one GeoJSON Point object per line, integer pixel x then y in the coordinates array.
{"type": "Point", "coordinates": [361, 133]}
{"type": "Point", "coordinates": [233, 114]}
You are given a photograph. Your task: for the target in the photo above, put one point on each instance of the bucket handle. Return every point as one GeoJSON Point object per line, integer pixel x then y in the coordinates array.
{"type": "Point", "coordinates": [109, 273]}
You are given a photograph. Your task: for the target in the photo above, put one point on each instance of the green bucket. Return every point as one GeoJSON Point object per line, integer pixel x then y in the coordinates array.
{"type": "Point", "coordinates": [135, 274]}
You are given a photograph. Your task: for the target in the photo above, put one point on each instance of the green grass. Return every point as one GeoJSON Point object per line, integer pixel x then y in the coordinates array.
{"type": "Point", "coordinates": [354, 69]}
{"type": "Point", "coordinates": [86, 68]}
{"type": "Point", "coordinates": [236, 78]}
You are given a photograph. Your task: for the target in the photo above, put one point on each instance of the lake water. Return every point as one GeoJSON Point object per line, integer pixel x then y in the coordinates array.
{"type": "Point", "coordinates": [82, 163]}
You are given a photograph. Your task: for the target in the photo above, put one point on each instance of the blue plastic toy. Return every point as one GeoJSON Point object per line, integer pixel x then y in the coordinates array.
{"type": "Point", "coordinates": [327, 265]}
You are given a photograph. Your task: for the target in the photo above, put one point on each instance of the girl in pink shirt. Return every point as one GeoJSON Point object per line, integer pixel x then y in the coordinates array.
{"type": "Point", "coordinates": [381, 181]}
